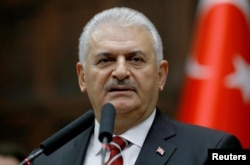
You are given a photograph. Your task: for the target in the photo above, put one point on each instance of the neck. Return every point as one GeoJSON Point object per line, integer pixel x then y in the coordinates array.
{"type": "Point", "coordinates": [124, 122]}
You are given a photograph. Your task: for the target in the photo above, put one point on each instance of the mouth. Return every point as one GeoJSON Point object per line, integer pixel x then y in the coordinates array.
{"type": "Point", "coordinates": [120, 88]}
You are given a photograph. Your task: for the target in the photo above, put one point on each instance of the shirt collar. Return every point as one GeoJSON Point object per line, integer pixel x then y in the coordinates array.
{"type": "Point", "coordinates": [135, 135]}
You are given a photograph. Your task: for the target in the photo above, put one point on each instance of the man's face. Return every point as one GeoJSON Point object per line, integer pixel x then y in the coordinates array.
{"type": "Point", "coordinates": [121, 68]}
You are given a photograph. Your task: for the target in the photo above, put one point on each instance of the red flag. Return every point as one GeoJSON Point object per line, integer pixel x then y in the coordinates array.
{"type": "Point", "coordinates": [217, 89]}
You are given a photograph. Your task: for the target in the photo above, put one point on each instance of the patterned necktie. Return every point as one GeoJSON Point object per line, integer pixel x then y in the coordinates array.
{"type": "Point", "coordinates": [115, 147]}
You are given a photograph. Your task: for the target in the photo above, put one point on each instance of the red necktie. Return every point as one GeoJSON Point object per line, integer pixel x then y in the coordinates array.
{"type": "Point", "coordinates": [115, 147]}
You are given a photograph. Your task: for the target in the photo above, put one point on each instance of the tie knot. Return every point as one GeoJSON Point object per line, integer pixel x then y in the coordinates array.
{"type": "Point", "coordinates": [118, 143]}
{"type": "Point", "coordinates": [115, 147]}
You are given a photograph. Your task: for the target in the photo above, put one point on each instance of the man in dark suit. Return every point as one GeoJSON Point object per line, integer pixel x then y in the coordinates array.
{"type": "Point", "coordinates": [121, 62]}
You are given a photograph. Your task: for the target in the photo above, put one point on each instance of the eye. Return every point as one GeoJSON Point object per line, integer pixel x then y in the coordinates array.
{"type": "Point", "coordinates": [135, 59]}
{"type": "Point", "coordinates": [104, 60]}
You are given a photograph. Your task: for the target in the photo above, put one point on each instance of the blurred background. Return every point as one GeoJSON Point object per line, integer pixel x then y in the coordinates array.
{"type": "Point", "coordinates": [39, 92]}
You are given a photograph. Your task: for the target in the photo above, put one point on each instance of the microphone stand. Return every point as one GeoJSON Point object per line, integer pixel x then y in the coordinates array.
{"type": "Point", "coordinates": [104, 150]}
{"type": "Point", "coordinates": [30, 158]}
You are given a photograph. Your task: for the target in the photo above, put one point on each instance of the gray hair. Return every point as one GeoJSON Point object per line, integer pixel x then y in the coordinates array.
{"type": "Point", "coordinates": [122, 16]}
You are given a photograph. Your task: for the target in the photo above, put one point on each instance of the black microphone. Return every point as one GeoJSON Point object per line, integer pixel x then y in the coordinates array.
{"type": "Point", "coordinates": [67, 133]}
{"type": "Point", "coordinates": [106, 127]}
{"type": "Point", "coordinates": [63, 136]}
{"type": "Point", "coordinates": [107, 122]}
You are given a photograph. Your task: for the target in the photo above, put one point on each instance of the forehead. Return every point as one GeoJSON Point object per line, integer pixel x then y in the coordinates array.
{"type": "Point", "coordinates": [118, 38]}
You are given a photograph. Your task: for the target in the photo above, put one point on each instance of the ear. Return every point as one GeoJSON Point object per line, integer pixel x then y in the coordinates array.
{"type": "Point", "coordinates": [163, 72]}
{"type": "Point", "coordinates": [81, 76]}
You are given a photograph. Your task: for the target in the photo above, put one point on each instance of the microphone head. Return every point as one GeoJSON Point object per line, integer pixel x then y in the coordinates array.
{"type": "Point", "coordinates": [107, 122]}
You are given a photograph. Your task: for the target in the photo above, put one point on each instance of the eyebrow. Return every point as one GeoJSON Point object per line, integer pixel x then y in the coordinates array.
{"type": "Point", "coordinates": [133, 52]}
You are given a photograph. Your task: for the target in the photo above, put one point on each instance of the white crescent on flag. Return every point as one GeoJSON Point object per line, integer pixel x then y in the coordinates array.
{"type": "Point", "coordinates": [196, 70]}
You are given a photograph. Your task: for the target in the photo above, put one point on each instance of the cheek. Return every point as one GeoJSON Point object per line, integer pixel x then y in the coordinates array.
{"type": "Point", "coordinates": [148, 82]}
{"type": "Point", "coordinates": [95, 80]}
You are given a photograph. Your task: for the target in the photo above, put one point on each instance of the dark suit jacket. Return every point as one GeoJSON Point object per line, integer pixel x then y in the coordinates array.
{"type": "Point", "coordinates": [183, 144]}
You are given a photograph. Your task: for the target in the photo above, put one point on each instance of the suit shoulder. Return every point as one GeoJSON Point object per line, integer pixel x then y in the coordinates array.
{"type": "Point", "coordinates": [212, 137]}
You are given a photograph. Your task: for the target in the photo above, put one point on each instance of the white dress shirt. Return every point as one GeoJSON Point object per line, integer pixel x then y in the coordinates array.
{"type": "Point", "coordinates": [136, 136]}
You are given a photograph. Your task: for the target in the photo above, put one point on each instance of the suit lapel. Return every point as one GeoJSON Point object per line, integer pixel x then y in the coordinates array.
{"type": "Point", "coordinates": [156, 149]}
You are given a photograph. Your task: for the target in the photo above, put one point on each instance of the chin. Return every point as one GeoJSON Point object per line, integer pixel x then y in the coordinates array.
{"type": "Point", "coordinates": [123, 107]}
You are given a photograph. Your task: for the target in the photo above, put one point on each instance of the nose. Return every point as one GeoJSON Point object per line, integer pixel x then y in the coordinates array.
{"type": "Point", "coordinates": [121, 71]}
